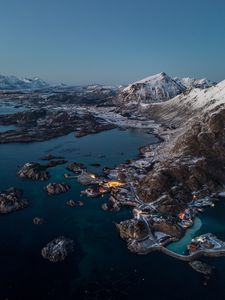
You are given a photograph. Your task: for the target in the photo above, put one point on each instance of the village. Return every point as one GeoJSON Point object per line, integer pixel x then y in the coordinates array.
{"type": "Point", "coordinates": [148, 230]}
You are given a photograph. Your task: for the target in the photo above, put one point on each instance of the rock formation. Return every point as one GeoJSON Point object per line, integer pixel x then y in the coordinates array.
{"type": "Point", "coordinates": [56, 188]}
{"type": "Point", "coordinates": [58, 249]}
{"type": "Point", "coordinates": [33, 171]}
{"type": "Point", "coordinates": [11, 200]}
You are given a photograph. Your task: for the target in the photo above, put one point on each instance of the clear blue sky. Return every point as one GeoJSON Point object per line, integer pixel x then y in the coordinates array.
{"type": "Point", "coordinates": [116, 41]}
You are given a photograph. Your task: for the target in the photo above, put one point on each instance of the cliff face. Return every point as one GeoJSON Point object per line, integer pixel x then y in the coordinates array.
{"type": "Point", "coordinates": [192, 159]}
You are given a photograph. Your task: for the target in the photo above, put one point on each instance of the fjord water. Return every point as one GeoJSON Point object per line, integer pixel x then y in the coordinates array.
{"type": "Point", "coordinates": [101, 267]}
{"type": "Point", "coordinates": [24, 272]}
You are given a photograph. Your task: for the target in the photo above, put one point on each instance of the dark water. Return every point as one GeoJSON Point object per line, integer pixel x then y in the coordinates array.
{"type": "Point", "coordinates": [101, 266]}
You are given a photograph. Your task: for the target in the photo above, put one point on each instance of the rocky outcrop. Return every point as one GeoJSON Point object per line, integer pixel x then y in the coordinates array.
{"type": "Point", "coordinates": [38, 221]}
{"type": "Point", "coordinates": [36, 171]}
{"type": "Point", "coordinates": [74, 203]}
{"type": "Point", "coordinates": [11, 200]}
{"type": "Point", "coordinates": [201, 267]}
{"type": "Point", "coordinates": [58, 249]}
{"type": "Point", "coordinates": [33, 171]}
{"type": "Point", "coordinates": [76, 167]}
{"type": "Point", "coordinates": [132, 228]}
{"type": "Point", "coordinates": [54, 163]}
{"type": "Point", "coordinates": [167, 226]}
{"type": "Point", "coordinates": [57, 188]}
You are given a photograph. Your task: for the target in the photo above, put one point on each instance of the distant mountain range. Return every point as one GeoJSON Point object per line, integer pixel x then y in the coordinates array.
{"type": "Point", "coordinates": [156, 88]}
{"type": "Point", "coordinates": [11, 83]}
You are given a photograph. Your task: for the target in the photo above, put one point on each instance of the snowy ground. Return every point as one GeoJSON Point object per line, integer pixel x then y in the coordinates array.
{"type": "Point", "coordinates": [109, 115]}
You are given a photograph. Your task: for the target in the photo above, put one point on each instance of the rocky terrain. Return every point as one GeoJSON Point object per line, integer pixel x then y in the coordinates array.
{"type": "Point", "coordinates": [192, 158]}
{"type": "Point", "coordinates": [76, 167]}
{"type": "Point", "coordinates": [189, 164]}
{"type": "Point", "coordinates": [56, 188]}
{"type": "Point", "coordinates": [41, 124]}
{"type": "Point", "coordinates": [201, 267]}
{"type": "Point", "coordinates": [58, 249]}
{"type": "Point", "coordinates": [33, 171]}
{"type": "Point", "coordinates": [36, 171]}
{"type": "Point", "coordinates": [38, 221]}
{"type": "Point", "coordinates": [12, 200]}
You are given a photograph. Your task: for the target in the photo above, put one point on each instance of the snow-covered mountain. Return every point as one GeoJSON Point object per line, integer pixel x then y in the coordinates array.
{"type": "Point", "coordinates": [192, 104]}
{"type": "Point", "coordinates": [190, 83]}
{"type": "Point", "coordinates": [156, 88]}
{"type": "Point", "coordinates": [11, 83]}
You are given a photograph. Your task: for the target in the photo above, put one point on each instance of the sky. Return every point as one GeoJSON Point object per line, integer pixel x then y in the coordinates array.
{"type": "Point", "coordinates": [112, 41]}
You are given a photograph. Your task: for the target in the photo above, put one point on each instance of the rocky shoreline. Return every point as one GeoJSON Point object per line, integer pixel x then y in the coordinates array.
{"type": "Point", "coordinates": [171, 182]}
{"type": "Point", "coordinates": [166, 185]}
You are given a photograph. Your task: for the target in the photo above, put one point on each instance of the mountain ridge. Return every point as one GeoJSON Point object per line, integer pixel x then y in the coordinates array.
{"type": "Point", "coordinates": [158, 88]}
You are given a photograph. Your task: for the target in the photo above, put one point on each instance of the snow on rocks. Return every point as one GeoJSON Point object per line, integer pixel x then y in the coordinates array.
{"type": "Point", "coordinates": [11, 200]}
{"type": "Point", "coordinates": [156, 88]}
{"type": "Point", "coordinates": [58, 249]}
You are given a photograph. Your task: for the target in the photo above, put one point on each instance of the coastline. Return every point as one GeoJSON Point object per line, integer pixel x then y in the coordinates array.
{"type": "Point", "coordinates": [149, 155]}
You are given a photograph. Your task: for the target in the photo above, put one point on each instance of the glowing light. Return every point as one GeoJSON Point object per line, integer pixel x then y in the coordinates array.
{"type": "Point", "coordinates": [114, 183]}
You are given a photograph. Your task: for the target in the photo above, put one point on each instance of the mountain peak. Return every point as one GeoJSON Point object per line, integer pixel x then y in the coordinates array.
{"type": "Point", "coordinates": [163, 74]}
{"type": "Point", "coordinates": [155, 88]}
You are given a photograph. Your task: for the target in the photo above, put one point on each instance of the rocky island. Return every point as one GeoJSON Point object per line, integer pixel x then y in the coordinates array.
{"type": "Point", "coordinates": [36, 171]}
{"type": "Point", "coordinates": [33, 171]}
{"type": "Point", "coordinates": [56, 188]}
{"type": "Point", "coordinates": [58, 249]}
{"type": "Point", "coordinates": [12, 200]}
